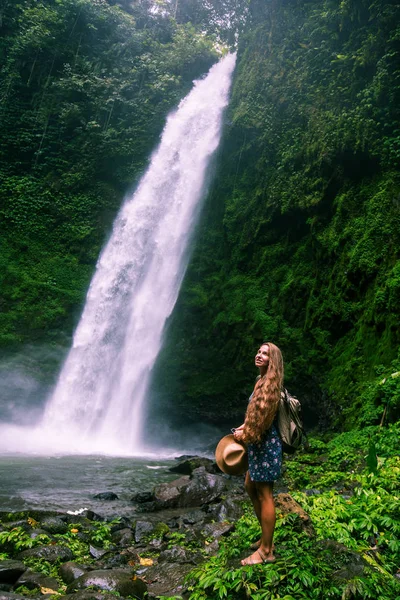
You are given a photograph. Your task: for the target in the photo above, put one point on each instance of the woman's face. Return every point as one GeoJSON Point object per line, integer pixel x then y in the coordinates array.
{"type": "Point", "coordinates": [262, 357]}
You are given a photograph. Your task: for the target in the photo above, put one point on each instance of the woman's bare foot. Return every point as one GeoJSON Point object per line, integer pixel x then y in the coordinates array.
{"type": "Point", "coordinates": [259, 557]}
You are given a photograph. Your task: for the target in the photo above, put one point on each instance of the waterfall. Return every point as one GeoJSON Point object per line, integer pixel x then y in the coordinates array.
{"type": "Point", "coordinates": [99, 400]}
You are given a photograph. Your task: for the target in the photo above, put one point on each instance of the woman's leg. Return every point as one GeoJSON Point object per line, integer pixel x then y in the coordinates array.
{"type": "Point", "coordinates": [267, 521]}
{"type": "Point", "coordinates": [251, 489]}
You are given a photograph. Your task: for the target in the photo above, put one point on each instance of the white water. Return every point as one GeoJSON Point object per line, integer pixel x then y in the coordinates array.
{"type": "Point", "coordinates": [99, 400]}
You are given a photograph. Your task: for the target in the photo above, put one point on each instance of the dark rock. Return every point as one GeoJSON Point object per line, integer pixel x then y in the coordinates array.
{"type": "Point", "coordinates": [97, 552]}
{"type": "Point", "coordinates": [11, 596]}
{"type": "Point", "coordinates": [123, 537]}
{"type": "Point", "coordinates": [122, 581]}
{"type": "Point", "coordinates": [11, 570]}
{"type": "Point", "coordinates": [5, 587]}
{"type": "Point", "coordinates": [54, 525]}
{"type": "Point", "coordinates": [167, 579]}
{"type": "Point", "coordinates": [179, 555]}
{"type": "Point", "coordinates": [123, 523]}
{"type": "Point", "coordinates": [35, 532]}
{"type": "Point", "coordinates": [187, 466]}
{"type": "Point", "coordinates": [117, 560]}
{"type": "Point", "coordinates": [92, 516]}
{"type": "Point", "coordinates": [212, 548]}
{"type": "Point", "coordinates": [202, 488]}
{"type": "Point", "coordinates": [216, 530]}
{"type": "Point", "coordinates": [192, 517]}
{"type": "Point", "coordinates": [35, 581]}
{"type": "Point", "coordinates": [49, 553]}
{"type": "Point", "coordinates": [147, 507]}
{"type": "Point", "coordinates": [143, 529]}
{"type": "Point", "coordinates": [141, 497]}
{"type": "Point", "coordinates": [106, 496]}
{"type": "Point", "coordinates": [70, 571]}
{"type": "Point", "coordinates": [228, 510]}
{"type": "Point", "coordinates": [89, 595]}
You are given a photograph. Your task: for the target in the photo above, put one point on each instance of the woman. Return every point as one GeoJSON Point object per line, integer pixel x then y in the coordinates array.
{"type": "Point", "coordinates": [264, 446]}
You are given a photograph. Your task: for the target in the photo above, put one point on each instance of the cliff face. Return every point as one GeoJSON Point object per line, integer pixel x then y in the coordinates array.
{"type": "Point", "coordinates": [300, 236]}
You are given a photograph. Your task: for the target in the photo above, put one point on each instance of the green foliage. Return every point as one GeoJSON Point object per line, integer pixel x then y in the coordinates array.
{"type": "Point", "coordinates": [85, 88]}
{"type": "Point", "coordinates": [17, 539]}
{"type": "Point", "coordinates": [354, 552]}
{"type": "Point", "coordinates": [300, 235]}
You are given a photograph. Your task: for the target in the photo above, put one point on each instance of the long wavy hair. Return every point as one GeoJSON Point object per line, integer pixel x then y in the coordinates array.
{"type": "Point", "coordinates": [264, 402]}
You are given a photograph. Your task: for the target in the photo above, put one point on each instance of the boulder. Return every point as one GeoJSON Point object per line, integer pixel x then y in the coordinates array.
{"type": "Point", "coordinates": [50, 553]}
{"type": "Point", "coordinates": [125, 582]}
{"type": "Point", "coordinates": [36, 581]}
{"type": "Point", "coordinates": [11, 570]}
{"type": "Point", "coordinates": [201, 488]}
{"type": "Point", "coordinates": [187, 466]}
{"type": "Point", "coordinates": [106, 496]}
{"type": "Point", "coordinates": [54, 525]}
{"type": "Point", "coordinates": [70, 571]}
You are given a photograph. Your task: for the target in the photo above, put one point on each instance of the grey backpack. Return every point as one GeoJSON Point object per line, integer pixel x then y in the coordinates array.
{"type": "Point", "coordinates": [290, 423]}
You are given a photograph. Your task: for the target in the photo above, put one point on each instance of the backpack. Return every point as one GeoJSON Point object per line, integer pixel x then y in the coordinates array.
{"type": "Point", "coordinates": [290, 423]}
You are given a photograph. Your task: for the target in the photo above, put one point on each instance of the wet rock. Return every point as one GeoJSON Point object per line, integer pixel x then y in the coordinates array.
{"type": "Point", "coordinates": [106, 496]}
{"type": "Point", "coordinates": [117, 560]}
{"type": "Point", "coordinates": [167, 579]}
{"type": "Point", "coordinates": [141, 497]}
{"type": "Point", "coordinates": [70, 571]}
{"type": "Point", "coordinates": [11, 570]}
{"type": "Point", "coordinates": [92, 516]}
{"type": "Point", "coordinates": [11, 596]}
{"type": "Point", "coordinates": [49, 553]}
{"type": "Point", "coordinates": [192, 517]}
{"type": "Point", "coordinates": [169, 494]}
{"type": "Point", "coordinates": [285, 504]}
{"type": "Point", "coordinates": [180, 555]}
{"type": "Point", "coordinates": [202, 488]}
{"type": "Point", "coordinates": [123, 537]}
{"type": "Point", "coordinates": [97, 552]}
{"type": "Point", "coordinates": [125, 582]}
{"type": "Point", "coordinates": [89, 595]}
{"type": "Point", "coordinates": [54, 525]}
{"type": "Point", "coordinates": [187, 466]}
{"type": "Point", "coordinates": [35, 532]}
{"type": "Point", "coordinates": [143, 529]}
{"type": "Point", "coordinates": [36, 581]}
{"type": "Point", "coordinates": [228, 510]}
{"type": "Point", "coordinates": [123, 523]}
{"type": "Point", "coordinates": [217, 530]}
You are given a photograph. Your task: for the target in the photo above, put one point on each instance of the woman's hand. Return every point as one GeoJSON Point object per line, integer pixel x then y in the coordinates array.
{"type": "Point", "coordinates": [238, 433]}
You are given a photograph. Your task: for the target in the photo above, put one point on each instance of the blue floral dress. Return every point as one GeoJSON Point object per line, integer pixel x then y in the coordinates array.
{"type": "Point", "coordinates": [265, 458]}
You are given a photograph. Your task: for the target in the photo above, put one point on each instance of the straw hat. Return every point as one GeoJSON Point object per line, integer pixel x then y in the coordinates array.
{"type": "Point", "coordinates": [231, 456]}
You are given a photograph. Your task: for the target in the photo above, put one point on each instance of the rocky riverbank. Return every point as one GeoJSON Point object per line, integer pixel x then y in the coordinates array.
{"type": "Point", "coordinates": [177, 526]}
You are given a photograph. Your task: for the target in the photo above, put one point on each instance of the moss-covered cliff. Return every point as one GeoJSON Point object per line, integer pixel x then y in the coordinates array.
{"type": "Point", "coordinates": [301, 234]}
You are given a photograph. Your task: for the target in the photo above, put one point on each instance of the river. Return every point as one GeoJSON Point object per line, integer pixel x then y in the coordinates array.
{"type": "Point", "coordinates": [68, 483]}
